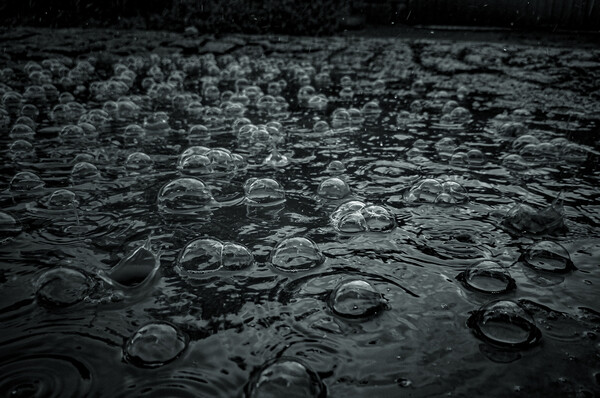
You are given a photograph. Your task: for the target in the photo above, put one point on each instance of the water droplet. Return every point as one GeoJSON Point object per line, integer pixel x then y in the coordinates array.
{"type": "Point", "coordinates": [285, 377]}
{"type": "Point", "coordinates": [154, 345]}
{"type": "Point", "coordinates": [296, 254]}
{"type": "Point", "coordinates": [356, 299]}
{"type": "Point", "coordinates": [62, 287]}
{"type": "Point", "coordinates": [505, 324]}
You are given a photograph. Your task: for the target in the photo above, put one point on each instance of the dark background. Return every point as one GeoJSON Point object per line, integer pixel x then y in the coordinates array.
{"type": "Point", "coordinates": [301, 17]}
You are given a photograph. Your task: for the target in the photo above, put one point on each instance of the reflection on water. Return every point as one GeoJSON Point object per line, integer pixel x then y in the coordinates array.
{"type": "Point", "coordinates": [332, 217]}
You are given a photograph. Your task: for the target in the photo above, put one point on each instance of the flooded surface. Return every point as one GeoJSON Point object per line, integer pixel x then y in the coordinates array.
{"type": "Point", "coordinates": [257, 215]}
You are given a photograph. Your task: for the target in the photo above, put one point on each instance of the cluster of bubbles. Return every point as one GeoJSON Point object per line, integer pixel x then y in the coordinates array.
{"type": "Point", "coordinates": [355, 216]}
{"type": "Point", "coordinates": [203, 256]}
{"type": "Point", "coordinates": [199, 160]}
{"type": "Point", "coordinates": [433, 190]}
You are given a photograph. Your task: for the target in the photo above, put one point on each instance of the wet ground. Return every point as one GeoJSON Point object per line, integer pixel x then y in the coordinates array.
{"type": "Point", "coordinates": [184, 215]}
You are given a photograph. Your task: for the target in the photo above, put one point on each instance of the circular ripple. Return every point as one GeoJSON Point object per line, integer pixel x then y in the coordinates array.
{"type": "Point", "coordinates": [356, 299]}
{"type": "Point", "coordinates": [154, 345]}
{"type": "Point", "coordinates": [47, 376]}
{"type": "Point", "coordinates": [505, 324]}
{"type": "Point", "coordinates": [296, 254]}
{"type": "Point", "coordinates": [285, 377]}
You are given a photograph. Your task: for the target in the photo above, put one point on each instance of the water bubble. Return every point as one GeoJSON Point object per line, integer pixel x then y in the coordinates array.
{"type": "Point", "coordinates": [296, 254]}
{"type": "Point", "coordinates": [21, 132]}
{"type": "Point", "coordinates": [424, 191]}
{"type": "Point", "coordinates": [207, 255]}
{"type": "Point", "coordinates": [475, 157]}
{"type": "Point", "coordinates": [25, 181]}
{"type": "Point", "coordinates": [515, 162]}
{"type": "Point", "coordinates": [83, 172]}
{"type": "Point", "coordinates": [154, 345]}
{"type": "Point", "coordinates": [548, 256]}
{"type": "Point", "coordinates": [184, 196]}
{"type": "Point", "coordinates": [336, 167]}
{"type": "Point", "coordinates": [287, 377]}
{"type": "Point", "coordinates": [62, 287]}
{"type": "Point", "coordinates": [524, 140]}
{"type": "Point", "coordinates": [321, 127]}
{"type": "Point", "coordinates": [9, 227]}
{"type": "Point", "coordinates": [157, 124]}
{"type": "Point", "coordinates": [505, 324]}
{"type": "Point", "coordinates": [333, 188]}
{"type": "Point", "coordinates": [487, 276]}
{"type": "Point", "coordinates": [62, 199]}
{"type": "Point", "coordinates": [460, 115]}
{"type": "Point", "coordinates": [355, 216]}
{"type": "Point", "coordinates": [138, 163]}
{"type": "Point", "coordinates": [21, 150]}
{"type": "Point", "coordinates": [356, 299]}
{"type": "Point", "coordinates": [263, 191]}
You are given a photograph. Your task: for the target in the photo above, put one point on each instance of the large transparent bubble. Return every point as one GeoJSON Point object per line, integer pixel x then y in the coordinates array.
{"type": "Point", "coordinates": [62, 287]}
{"type": "Point", "coordinates": [548, 256]}
{"type": "Point", "coordinates": [431, 190]}
{"type": "Point", "coordinates": [505, 324]}
{"type": "Point", "coordinates": [333, 188]}
{"type": "Point", "coordinates": [296, 254]}
{"type": "Point", "coordinates": [285, 377]}
{"type": "Point", "coordinates": [184, 196]}
{"type": "Point", "coordinates": [355, 216]}
{"type": "Point", "coordinates": [154, 345]}
{"type": "Point", "coordinates": [487, 277]}
{"type": "Point", "coordinates": [263, 192]}
{"type": "Point", "coordinates": [356, 299]}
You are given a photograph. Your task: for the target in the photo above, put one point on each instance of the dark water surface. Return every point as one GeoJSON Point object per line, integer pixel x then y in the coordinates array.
{"type": "Point", "coordinates": [467, 265]}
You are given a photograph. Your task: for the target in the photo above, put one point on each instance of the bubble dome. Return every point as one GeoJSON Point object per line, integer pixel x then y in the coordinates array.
{"type": "Point", "coordinates": [202, 256]}
{"type": "Point", "coordinates": [184, 196]}
{"type": "Point", "coordinates": [287, 377]}
{"type": "Point", "coordinates": [333, 188]}
{"type": "Point", "coordinates": [355, 216]}
{"type": "Point", "coordinates": [487, 276]}
{"type": "Point", "coordinates": [62, 287]}
{"type": "Point", "coordinates": [505, 324]}
{"type": "Point", "coordinates": [154, 345]}
{"type": "Point", "coordinates": [548, 256]}
{"type": "Point", "coordinates": [263, 192]}
{"type": "Point", "coordinates": [356, 299]}
{"type": "Point", "coordinates": [431, 190]}
{"type": "Point", "coordinates": [25, 181]}
{"type": "Point", "coordinates": [296, 254]}
{"type": "Point", "coordinates": [9, 227]}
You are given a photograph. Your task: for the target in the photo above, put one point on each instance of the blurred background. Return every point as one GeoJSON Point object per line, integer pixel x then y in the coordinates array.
{"type": "Point", "coordinates": [301, 17]}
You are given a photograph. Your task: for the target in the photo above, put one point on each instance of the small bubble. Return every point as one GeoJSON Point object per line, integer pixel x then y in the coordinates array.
{"type": "Point", "coordinates": [487, 277]}
{"type": "Point", "coordinates": [184, 196]}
